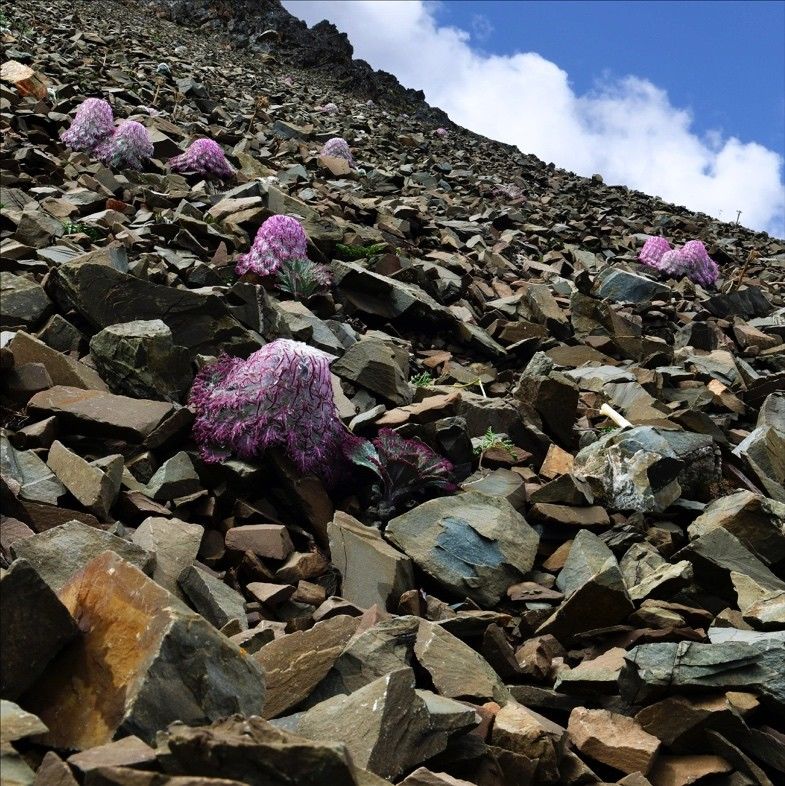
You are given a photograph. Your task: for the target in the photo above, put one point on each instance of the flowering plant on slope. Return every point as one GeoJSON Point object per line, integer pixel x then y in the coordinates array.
{"type": "Point", "coordinates": [691, 260]}
{"type": "Point", "coordinates": [205, 157]}
{"type": "Point", "coordinates": [92, 124]}
{"type": "Point", "coordinates": [281, 396]}
{"type": "Point", "coordinates": [278, 239]}
{"type": "Point", "coordinates": [337, 147]}
{"type": "Point", "coordinates": [128, 148]}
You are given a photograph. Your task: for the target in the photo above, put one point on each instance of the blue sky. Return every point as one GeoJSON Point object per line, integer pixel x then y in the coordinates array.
{"type": "Point", "coordinates": [725, 60]}
{"type": "Point", "coordinates": [684, 100]}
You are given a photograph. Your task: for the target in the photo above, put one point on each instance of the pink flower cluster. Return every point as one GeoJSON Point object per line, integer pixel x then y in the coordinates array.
{"type": "Point", "coordinates": [330, 108]}
{"type": "Point", "coordinates": [337, 147]}
{"type": "Point", "coordinates": [441, 132]}
{"type": "Point", "coordinates": [204, 157]}
{"type": "Point", "coordinates": [279, 238]}
{"type": "Point", "coordinates": [691, 260]}
{"type": "Point", "coordinates": [92, 124]}
{"type": "Point", "coordinates": [128, 147]}
{"type": "Point", "coordinates": [281, 396]}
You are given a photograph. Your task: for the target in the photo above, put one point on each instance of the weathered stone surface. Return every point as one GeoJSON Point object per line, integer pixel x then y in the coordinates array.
{"type": "Point", "coordinates": [143, 660]}
{"type": "Point", "coordinates": [23, 303]}
{"type": "Point", "coordinates": [54, 772]}
{"type": "Point", "coordinates": [296, 663]}
{"type": "Point", "coordinates": [472, 544]}
{"type": "Point", "coordinates": [455, 668]}
{"type": "Point", "coordinates": [202, 323]}
{"type": "Point", "coordinates": [175, 544]}
{"type": "Point", "coordinates": [34, 626]}
{"type": "Point", "coordinates": [265, 540]}
{"type": "Point", "coordinates": [62, 369]}
{"type": "Point", "coordinates": [595, 593]}
{"type": "Point", "coordinates": [521, 730]}
{"type": "Point", "coordinates": [372, 365]}
{"type": "Point", "coordinates": [16, 724]}
{"type": "Point", "coordinates": [613, 739]}
{"type": "Point", "coordinates": [214, 600]}
{"type": "Point", "coordinates": [36, 481]}
{"type": "Point", "coordinates": [140, 359]}
{"type": "Point", "coordinates": [372, 571]}
{"type": "Point", "coordinates": [60, 552]}
{"type": "Point", "coordinates": [758, 522]}
{"type": "Point", "coordinates": [654, 669]}
{"type": "Point", "coordinates": [176, 477]}
{"type": "Point", "coordinates": [129, 751]}
{"type": "Point", "coordinates": [424, 777]}
{"type": "Point", "coordinates": [621, 286]}
{"type": "Point", "coordinates": [387, 725]}
{"type": "Point", "coordinates": [104, 414]}
{"type": "Point", "coordinates": [684, 770]}
{"type": "Point", "coordinates": [647, 469]}
{"type": "Point", "coordinates": [96, 487]}
{"type": "Point", "coordinates": [258, 754]}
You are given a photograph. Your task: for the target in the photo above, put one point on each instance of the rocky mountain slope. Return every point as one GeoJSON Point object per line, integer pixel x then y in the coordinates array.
{"type": "Point", "coordinates": [595, 594]}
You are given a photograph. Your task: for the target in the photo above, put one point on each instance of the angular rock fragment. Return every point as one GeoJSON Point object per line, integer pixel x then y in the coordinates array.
{"type": "Point", "coordinates": [613, 739]}
{"type": "Point", "coordinates": [34, 627]}
{"type": "Point", "coordinates": [472, 544]}
{"type": "Point", "coordinates": [372, 571]}
{"type": "Point", "coordinates": [60, 552]}
{"type": "Point", "coordinates": [388, 726]}
{"type": "Point", "coordinates": [140, 359]}
{"type": "Point", "coordinates": [296, 663]}
{"type": "Point", "coordinates": [143, 660]}
{"type": "Point", "coordinates": [214, 600]}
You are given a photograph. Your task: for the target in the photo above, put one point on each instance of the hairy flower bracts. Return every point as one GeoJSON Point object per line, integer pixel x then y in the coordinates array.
{"type": "Point", "coordinates": [691, 260]}
{"type": "Point", "coordinates": [330, 108]}
{"type": "Point", "coordinates": [204, 157]}
{"type": "Point", "coordinates": [92, 124]}
{"type": "Point", "coordinates": [337, 147]}
{"type": "Point", "coordinates": [409, 470]}
{"type": "Point", "coordinates": [279, 239]}
{"type": "Point", "coordinates": [653, 250]}
{"type": "Point", "coordinates": [280, 396]}
{"type": "Point", "coordinates": [128, 148]}
{"type": "Point", "coordinates": [302, 278]}
{"type": "Point", "coordinates": [442, 132]}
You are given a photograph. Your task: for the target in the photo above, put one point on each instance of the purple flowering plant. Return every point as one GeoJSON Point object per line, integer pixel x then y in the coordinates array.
{"type": "Point", "coordinates": [204, 157]}
{"type": "Point", "coordinates": [337, 147]}
{"type": "Point", "coordinates": [92, 124]}
{"type": "Point", "coordinates": [128, 147]}
{"type": "Point", "coordinates": [691, 260]}
{"type": "Point", "coordinates": [302, 279]}
{"type": "Point", "coordinates": [282, 396]}
{"type": "Point", "coordinates": [279, 239]}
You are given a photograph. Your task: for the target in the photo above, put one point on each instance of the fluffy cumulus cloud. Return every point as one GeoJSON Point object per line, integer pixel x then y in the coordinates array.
{"type": "Point", "coordinates": [625, 129]}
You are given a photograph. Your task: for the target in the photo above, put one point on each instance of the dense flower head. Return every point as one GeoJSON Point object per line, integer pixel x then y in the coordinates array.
{"type": "Point", "coordinates": [697, 265]}
{"type": "Point", "coordinates": [128, 148]}
{"type": "Point", "coordinates": [653, 250]}
{"type": "Point", "coordinates": [205, 157]}
{"type": "Point", "coordinates": [691, 260]}
{"type": "Point", "coordinates": [92, 124]}
{"type": "Point", "coordinates": [302, 278]}
{"type": "Point", "coordinates": [330, 108]}
{"type": "Point", "coordinates": [279, 238]}
{"type": "Point", "coordinates": [280, 396]}
{"type": "Point", "coordinates": [441, 131]}
{"type": "Point", "coordinates": [337, 147]}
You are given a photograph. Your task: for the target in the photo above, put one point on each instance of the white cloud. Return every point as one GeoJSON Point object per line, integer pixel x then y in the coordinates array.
{"type": "Point", "coordinates": [625, 129]}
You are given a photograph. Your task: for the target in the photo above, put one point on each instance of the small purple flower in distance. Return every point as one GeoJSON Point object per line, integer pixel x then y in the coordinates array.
{"type": "Point", "coordinates": [441, 132]}
{"type": "Point", "coordinates": [128, 148]}
{"type": "Point", "coordinates": [92, 124]}
{"type": "Point", "coordinates": [279, 238]}
{"type": "Point", "coordinates": [337, 147]}
{"type": "Point", "coordinates": [697, 264]}
{"type": "Point", "coordinates": [330, 108]}
{"type": "Point", "coordinates": [652, 252]}
{"type": "Point", "coordinates": [205, 157]}
{"type": "Point", "coordinates": [281, 396]}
